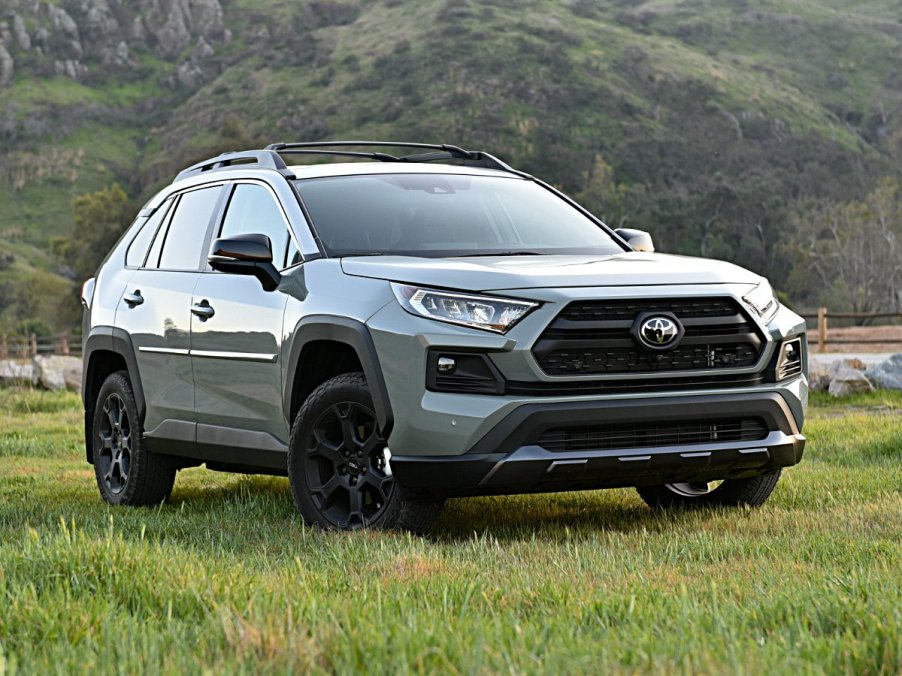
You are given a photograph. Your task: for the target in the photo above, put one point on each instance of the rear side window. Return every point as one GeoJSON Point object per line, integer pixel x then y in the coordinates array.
{"type": "Point", "coordinates": [187, 230]}
{"type": "Point", "coordinates": [253, 210]}
{"type": "Point", "coordinates": [137, 251]}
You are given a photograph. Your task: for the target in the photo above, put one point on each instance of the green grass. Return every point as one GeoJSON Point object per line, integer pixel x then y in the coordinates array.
{"type": "Point", "coordinates": [225, 577]}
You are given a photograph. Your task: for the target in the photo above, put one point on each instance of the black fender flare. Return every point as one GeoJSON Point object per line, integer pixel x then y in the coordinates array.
{"type": "Point", "coordinates": [356, 335]}
{"type": "Point", "coordinates": [108, 339]}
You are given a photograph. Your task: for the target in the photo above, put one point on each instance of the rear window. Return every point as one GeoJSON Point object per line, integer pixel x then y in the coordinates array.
{"type": "Point", "coordinates": [446, 215]}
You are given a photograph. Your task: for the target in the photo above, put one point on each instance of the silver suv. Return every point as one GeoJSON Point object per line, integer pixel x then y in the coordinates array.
{"type": "Point", "coordinates": [393, 332]}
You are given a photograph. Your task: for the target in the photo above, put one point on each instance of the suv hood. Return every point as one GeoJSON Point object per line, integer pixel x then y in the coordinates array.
{"type": "Point", "coordinates": [495, 273]}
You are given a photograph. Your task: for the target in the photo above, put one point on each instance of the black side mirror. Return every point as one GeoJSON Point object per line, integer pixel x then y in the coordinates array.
{"type": "Point", "coordinates": [638, 239]}
{"type": "Point", "coordinates": [246, 255]}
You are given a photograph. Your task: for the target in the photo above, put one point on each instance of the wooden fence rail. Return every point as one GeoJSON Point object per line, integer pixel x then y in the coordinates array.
{"type": "Point", "coordinates": [22, 347]}
{"type": "Point", "coordinates": [823, 316]}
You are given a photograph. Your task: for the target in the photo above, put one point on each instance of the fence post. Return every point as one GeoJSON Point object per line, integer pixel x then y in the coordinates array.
{"type": "Point", "coordinates": [34, 345]}
{"type": "Point", "coordinates": [4, 347]}
{"type": "Point", "coordinates": [822, 329]}
{"type": "Point", "coordinates": [64, 344]}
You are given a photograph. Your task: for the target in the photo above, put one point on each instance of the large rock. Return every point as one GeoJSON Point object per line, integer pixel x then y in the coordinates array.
{"type": "Point", "coordinates": [887, 373]}
{"type": "Point", "coordinates": [818, 376]}
{"type": "Point", "coordinates": [14, 372]}
{"type": "Point", "coordinates": [847, 380]}
{"type": "Point", "coordinates": [56, 373]}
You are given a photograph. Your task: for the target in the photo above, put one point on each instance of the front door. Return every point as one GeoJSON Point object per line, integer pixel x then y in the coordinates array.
{"type": "Point", "coordinates": [236, 339]}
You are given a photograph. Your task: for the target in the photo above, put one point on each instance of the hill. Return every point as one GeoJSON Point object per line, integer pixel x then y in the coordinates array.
{"type": "Point", "coordinates": [705, 121]}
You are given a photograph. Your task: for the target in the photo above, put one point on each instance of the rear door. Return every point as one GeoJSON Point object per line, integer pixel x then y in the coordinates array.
{"type": "Point", "coordinates": [156, 311]}
{"type": "Point", "coordinates": [236, 349]}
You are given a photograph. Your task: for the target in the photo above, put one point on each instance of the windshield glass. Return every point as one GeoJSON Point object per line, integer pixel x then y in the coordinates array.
{"type": "Point", "coordinates": [446, 215]}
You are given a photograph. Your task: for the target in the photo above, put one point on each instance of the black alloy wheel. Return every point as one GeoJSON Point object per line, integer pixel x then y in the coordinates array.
{"type": "Point", "coordinates": [115, 444]}
{"type": "Point", "coordinates": [339, 464]}
{"type": "Point", "coordinates": [347, 467]}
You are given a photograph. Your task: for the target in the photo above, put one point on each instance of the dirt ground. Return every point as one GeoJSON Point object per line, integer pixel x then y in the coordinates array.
{"type": "Point", "coordinates": [891, 334]}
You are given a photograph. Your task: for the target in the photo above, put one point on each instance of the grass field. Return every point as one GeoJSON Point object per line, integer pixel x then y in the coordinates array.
{"type": "Point", "coordinates": [225, 578]}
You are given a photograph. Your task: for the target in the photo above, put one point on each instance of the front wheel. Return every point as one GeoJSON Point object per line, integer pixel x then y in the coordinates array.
{"type": "Point", "coordinates": [751, 492]}
{"type": "Point", "coordinates": [339, 466]}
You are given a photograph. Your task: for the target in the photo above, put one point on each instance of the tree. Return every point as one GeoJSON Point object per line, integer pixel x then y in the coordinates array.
{"type": "Point", "coordinates": [99, 219]}
{"type": "Point", "coordinates": [855, 248]}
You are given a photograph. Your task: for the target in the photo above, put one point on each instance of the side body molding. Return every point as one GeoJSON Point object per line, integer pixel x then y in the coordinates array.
{"type": "Point", "coordinates": [108, 339]}
{"type": "Point", "coordinates": [352, 333]}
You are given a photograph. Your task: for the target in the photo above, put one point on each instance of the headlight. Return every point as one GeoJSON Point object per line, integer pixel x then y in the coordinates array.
{"type": "Point", "coordinates": [478, 312]}
{"type": "Point", "coordinates": [762, 301]}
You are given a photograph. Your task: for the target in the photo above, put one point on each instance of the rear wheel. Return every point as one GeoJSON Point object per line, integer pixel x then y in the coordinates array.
{"type": "Point", "coordinates": [750, 492]}
{"type": "Point", "coordinates": [339, 465]}
{"type": "Point", "coordinates": [126, 472]}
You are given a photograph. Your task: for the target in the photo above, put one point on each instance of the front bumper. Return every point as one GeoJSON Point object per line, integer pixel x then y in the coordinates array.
{"type": "Point", "coordinates": [508, 459]}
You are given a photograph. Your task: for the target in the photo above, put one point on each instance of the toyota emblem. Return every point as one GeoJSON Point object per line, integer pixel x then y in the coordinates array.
{"type": "Point", "coordinates": [659, 332]}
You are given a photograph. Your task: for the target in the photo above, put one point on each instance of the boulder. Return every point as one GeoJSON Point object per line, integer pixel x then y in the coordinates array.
{"type": "Point", "coordinates": [818, 376]}
{"type": "Point", "coordinates": [847, 380]}
{"type": "Point", "coordinates": [14, 372]}
{"type": "Point", "coordinates": [56, 373]}
{"type": "Point", "coordinates": [887, 373]}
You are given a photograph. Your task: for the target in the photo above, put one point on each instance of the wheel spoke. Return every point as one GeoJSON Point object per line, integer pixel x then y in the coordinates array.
{"type": "Point", "coordinates": [326, 448]}
{"type": "Point", "coordinates": [381, 484]}
{"type": "Point", "coordinates": [355, 513]}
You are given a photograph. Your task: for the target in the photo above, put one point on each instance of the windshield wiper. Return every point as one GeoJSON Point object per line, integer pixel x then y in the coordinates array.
{"type": "Point", "coordinates": [501, 253]}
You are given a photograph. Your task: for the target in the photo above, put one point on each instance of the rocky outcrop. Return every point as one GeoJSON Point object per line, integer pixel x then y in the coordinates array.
{"type": "Point", "coordinates": [15, 372]}
{"type": "Point", "coordinates": [72, 38]}
{"type": "Point", "coordinates": [887, 373]}
{"type": "Point", "coordinates": [847, 380]}
{"type": "Point", "coordinates": [56, 372]}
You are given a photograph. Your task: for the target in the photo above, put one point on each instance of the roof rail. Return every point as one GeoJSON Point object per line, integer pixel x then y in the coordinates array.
{"type": "Point", "coordinates": [442, 151]}
{"type": "Point", "coordinates": [253, 159]}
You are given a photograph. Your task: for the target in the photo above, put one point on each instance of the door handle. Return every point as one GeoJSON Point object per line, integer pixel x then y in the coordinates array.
{"type": "Point", "coordinates": [203, 310]}
{"type": "Point", "coordinates": [133, 299]}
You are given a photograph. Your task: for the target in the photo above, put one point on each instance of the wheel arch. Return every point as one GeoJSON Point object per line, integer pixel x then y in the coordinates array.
{"type": "Point", "coordinates": [315, 331]}
{"type": "Point", "coordinates": [106, 350]}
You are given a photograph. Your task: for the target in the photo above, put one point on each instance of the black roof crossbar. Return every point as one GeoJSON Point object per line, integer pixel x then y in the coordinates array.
{"type": "Point", "coordinates": [270, 157]}
{"type": "Point", "coordinates": [256, 159]}
{"type": "Point", "coordinates": [442, 151]}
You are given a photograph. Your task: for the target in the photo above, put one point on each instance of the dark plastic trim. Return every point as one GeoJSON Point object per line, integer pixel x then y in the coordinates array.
{"type": "Point", "coordinates": [354, 334]}
{"type": "Point", "coordinates": [118, 341]}
{"type": "Point", "coordinates": [526, 423]}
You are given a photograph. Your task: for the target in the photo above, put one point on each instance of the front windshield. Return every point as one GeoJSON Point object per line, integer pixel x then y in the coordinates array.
{"type": "Point", "coordinates": [446, 215]}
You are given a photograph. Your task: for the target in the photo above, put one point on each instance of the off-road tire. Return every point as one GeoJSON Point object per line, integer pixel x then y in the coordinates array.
{"type": "Point", "coordinates": [344, 395]}
{"type": "Point", "coordinates": [149, 477]}
{"type": "Point", "coordinates": [751, 492]}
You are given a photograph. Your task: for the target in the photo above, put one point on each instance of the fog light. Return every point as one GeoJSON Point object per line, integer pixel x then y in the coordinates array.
{"type": "Point", "coordinates": [789, 363]}
{"type": "Point", "coordinates": [446, 365]}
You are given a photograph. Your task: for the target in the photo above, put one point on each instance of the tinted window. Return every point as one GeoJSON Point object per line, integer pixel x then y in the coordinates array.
{"type": "Point", "coordinates": [253, 210]}
{"type": "Point", "coordinates": [137, 251]}
{"type": "Point", "coordinates": [187, 229]}
{"type": "Point", "coordinates": [446, 215]}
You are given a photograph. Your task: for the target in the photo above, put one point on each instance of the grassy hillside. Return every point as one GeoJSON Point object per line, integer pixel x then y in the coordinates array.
{"type": "Point", "coordinates": [226, 579]}
{"type": "Point", "coordinates": [703, 120]}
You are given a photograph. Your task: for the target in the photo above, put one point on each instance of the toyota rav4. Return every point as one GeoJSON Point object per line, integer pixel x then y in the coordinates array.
{"type": "Point", "coordinates": [396, 328]}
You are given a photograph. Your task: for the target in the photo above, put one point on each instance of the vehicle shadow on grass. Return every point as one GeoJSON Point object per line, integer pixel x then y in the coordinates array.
{"type": "Point", "coordinates": [580, 514]}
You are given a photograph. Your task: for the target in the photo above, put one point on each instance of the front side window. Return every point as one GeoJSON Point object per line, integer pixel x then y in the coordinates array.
{"type": "Point", "coordinates": [187, 230]}
{"type": "Point", "coordinates": [253, 210]}
{"type": "Point", "coordinates": [446, 215]}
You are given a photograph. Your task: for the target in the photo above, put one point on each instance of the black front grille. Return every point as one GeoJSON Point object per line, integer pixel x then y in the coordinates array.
{"type": "Point", "coordinates": [648, 435]}
{"type": "Point", "coordinates": [594, 337]}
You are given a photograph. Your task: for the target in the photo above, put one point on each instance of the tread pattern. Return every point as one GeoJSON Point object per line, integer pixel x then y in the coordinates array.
{"type": "Point", "coordinates": [151, 477]}
{"type": "Point", "coordinates": [751, 492]}
{"type": "Point", "coordinates": [405, 511]}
